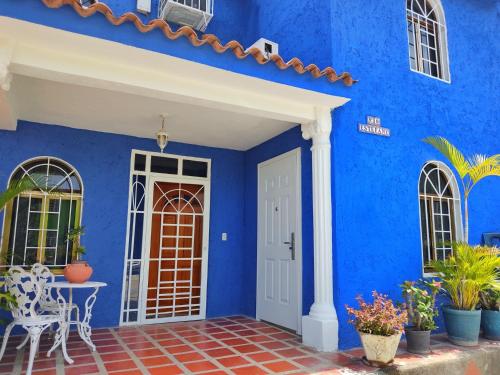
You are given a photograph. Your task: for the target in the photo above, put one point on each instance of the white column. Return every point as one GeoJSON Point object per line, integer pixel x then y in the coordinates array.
{"type": "Point", "coordinates": [320, 327]}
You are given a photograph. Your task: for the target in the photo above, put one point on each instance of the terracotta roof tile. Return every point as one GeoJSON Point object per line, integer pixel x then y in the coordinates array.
{"type": "Point", "coordinates": [210, 39]}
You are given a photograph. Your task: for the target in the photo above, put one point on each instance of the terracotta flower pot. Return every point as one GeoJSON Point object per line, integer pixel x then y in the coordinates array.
{"type": "Point", "coordinates": [78, 272]}
{"type": "Point", "coordinates": [380, 350]}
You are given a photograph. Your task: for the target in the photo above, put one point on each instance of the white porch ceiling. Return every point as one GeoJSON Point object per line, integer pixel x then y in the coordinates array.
{"type": "Point", "coordinates": [109, 111]}
{"type": "Point", "coordinates": [57, 77]}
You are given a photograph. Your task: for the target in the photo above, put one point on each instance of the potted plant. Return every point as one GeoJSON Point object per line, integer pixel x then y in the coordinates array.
{"type": "Point", "coordinates": [78, 271]}
{"type": "Point", "coordinates": [465, 274]}
{"type": "Point", "coordinates": [490, 313]}
{"type": "Point", "coordinates": [420, 298]}
{"type": "Point", "coordinates": [380, 325]}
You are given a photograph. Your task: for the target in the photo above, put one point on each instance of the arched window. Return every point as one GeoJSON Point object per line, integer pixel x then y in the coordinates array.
{"type": "Point", "coordinates": [440, 212]}
{"type": "Point", "coordinates": [427, 38]}
{"type": "Point", "coordinates": [37, 222]}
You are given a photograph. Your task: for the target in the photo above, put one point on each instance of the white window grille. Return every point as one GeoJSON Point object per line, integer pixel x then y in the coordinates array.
{"type": "Point", "coordinates": [427, 38]}
{"type": "Point", "coordinates": [194, 13]}
{"type": "Point", "coordinates": [37, 222]}
{"type": "Point", "coordinates": [440, 212]}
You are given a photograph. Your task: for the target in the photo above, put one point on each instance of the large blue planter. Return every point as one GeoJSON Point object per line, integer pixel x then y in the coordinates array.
{"type": "Point", "coordinates": [490, 321]}
{"type": "Point", "coordinates": [462, 326]}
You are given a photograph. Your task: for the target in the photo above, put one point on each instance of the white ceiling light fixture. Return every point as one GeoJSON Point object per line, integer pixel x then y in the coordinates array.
{"type": "Point", "coordinates": [162, 135]}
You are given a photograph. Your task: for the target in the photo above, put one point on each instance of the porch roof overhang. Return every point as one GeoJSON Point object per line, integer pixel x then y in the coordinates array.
{"type": "Point", "coordinates": [58, 77]}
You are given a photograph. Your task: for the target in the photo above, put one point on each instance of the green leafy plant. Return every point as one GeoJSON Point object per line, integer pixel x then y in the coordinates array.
{"type": "Point", "coordinates": [74, 235]}
{"type": "Point", "coordinates": [490, 299]}
{"type": "Point", "coordinates": [468, 272]}
{"type": "Point", "coordinates": [381, 317]}
{"type": "Point", "coordinates": [471, 170]}
{"type": "Point", "coordinates": [15, 188]}
{"type": "Point", "coordinates": [420, 298]}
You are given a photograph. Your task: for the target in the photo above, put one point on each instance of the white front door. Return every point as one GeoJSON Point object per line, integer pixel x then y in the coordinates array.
{"type": "Point", "coordinates": [279, 252]}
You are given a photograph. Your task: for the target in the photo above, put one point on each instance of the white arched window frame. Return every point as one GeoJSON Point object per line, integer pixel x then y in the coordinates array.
{"type": "Point", "coordinates": [36, 223]}
{"type": "Point", "coordinates": [427, 38]}
{"type": "Point", "coordinates": [440, 212]}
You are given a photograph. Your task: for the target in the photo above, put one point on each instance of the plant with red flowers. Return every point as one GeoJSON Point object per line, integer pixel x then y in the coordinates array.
{"type": "Point", "coordinates": [380, 318]}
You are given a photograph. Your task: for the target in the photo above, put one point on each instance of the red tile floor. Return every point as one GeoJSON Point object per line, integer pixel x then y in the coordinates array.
{"type": "Point", "coordinates": [233, 345]}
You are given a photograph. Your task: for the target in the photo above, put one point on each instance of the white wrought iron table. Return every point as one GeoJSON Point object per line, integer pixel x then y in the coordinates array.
{"type": "Point", "coordinates": [84, 328]}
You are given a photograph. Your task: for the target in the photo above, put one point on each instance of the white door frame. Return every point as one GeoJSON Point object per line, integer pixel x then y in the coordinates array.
{"type": "Point", "coordinates": [152, 177]}
{"type": "Point", "coordinates": [298, 230]}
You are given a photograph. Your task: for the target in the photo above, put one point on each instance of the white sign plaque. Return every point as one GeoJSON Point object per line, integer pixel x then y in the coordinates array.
{"type": "Point", "coordinates": [374, 126]}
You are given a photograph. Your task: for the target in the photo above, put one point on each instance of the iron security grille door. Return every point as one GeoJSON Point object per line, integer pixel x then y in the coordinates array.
{"type": "Point", "coordinates": [175, 263]}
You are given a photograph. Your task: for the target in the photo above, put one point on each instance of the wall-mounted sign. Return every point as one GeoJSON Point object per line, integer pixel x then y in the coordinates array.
{"type": "Point", "coordinates": [374, 126]}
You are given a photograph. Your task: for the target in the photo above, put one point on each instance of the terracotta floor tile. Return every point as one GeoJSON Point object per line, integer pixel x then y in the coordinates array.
{"type": "Point", "coordinates": [171, 342]}
{"type": "Point", "coordinates": [234, 342]}
{"type": "Point", "coordinates": [283, 336]}
{"type": "Point", "coordinates": [249, 348]}
{"type": "Point", "coordinates": [178, 349]}
{"type": "Point", "coordinates": [120, 365]}
{"type": "Point", "coordinates": [189, 357]}
{"type": "Point", "coordinates": [148, 353]}
{"type": "Point", "coordinates": [128, 372]}
{"type": "Point", "coordinates": [110, 357]}
{"type": "Point", "coordinates": [274, 345]}
{"type": "Point", "coordinates": [259, 338]}
{"type": "Point", "coordinates": [262, 357]}
{"type": "Point", "coordinates": [207, 345]}
{"type": "Point", "coordinates": [45, 372]}
{"type": "Point", "coordinates": [200, 366]}
{"type": "Point", "coordinates": [165, 370]}
{"type": "Point", "coordinates": [338, 358]}
{"type": "Point", "coordinates": [109, 349]}
{"type": "Point", "coordinates": [235, 361]}
{"type": "Point", "coordinates": [359, 352]}
{"type": "Point", "coordinates": [249, 370]}
{"type": "Point", "coordinates": [81, 370]}
{"type": "Point", "coordinates": [280, 366]}
{"type": "Point", "coordinates": [218, 353]}
{"type": "Point", "coordinates": [156, 361]}
{"type": "Point", "coordinates": [83, 360]}
{"type": "Point", "coordinates": [290, 353]}
{"type": "Point", "coordinates": [308, 361]}
{"type": "Point", "coordinates": [198, 338]}
{"type": "Point", "coordinates": [223, 335]}
{"type": "Point", "coordinates": [140, 346]}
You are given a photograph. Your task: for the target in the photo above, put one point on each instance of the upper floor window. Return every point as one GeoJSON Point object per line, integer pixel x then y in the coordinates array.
{"type": "Point", "coordinates": [440, 212]}
{"type": "Point", "coordinates": [36, 223]}
{"type": "Point", "coordinates": [427, 38]}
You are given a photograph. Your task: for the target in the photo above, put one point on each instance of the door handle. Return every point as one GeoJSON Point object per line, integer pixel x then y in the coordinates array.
{"type": "Point", "coordinates": [292, 244]}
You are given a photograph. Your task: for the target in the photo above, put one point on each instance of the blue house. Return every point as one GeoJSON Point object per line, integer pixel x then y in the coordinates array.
{"type": "Point", "coordinates": [258, 158]}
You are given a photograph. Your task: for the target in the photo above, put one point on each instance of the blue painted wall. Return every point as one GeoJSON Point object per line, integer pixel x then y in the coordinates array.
{"type": "Point", "coordinates": [376, 228]}
{"type": "Point", "coordinates": [103, 161]}
{"type": "Point", "coordinates": [377, 243]}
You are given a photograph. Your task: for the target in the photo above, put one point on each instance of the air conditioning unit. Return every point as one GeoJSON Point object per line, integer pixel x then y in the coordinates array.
{"type": "Point", "coordinates": [265, 46]}
{"type": "Point", "coordinates": [194, 13]}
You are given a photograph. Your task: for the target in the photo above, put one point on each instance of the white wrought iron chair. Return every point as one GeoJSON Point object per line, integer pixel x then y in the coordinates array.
{"type": "Point", "coordinates": [48, 304]}
{"type": "Point", "coordinates": [26, 291]}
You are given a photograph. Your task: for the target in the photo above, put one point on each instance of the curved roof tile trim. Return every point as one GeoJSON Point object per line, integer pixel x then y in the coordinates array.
{"type": "Point", "coordinates": [210, 39]}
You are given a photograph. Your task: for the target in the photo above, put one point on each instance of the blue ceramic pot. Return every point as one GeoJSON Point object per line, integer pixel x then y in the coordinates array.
{"type": "Point", "coordinates": [462, 326]}
{"type": "Point", "coordinates": [490, 321]}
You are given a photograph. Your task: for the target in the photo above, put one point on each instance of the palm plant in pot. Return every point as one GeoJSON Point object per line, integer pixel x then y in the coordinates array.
{"type": "Point", "coordinates": [380, 326]}
{"type": "Point", "coordinates": [420, 298]}
{"type": "Point", "coordinates": [465, 274]}
{"type": "Point", "coordinates": [78, 271]}
{"type": "Point", "coordinates": [490, 312]}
